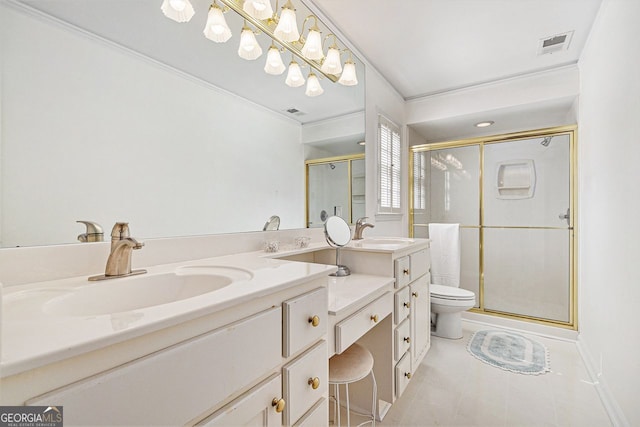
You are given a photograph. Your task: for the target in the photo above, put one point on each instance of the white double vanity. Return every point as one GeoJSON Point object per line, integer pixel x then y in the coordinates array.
{"type": "Point", "coordinates": [216, 332]}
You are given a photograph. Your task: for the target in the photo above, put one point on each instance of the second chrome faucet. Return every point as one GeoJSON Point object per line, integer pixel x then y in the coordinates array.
{"type": "Point", "coordinates": [360, 226]}
{"type": "Point", "coordinates": [119, 262]}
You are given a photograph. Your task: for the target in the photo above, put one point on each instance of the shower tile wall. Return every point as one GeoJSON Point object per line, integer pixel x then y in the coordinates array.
{"type": "Point", "coordinates": [328, 191]}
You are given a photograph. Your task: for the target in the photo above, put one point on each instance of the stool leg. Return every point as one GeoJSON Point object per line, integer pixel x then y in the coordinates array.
{"type": "Point", "coordinates": [375, 400]}
{"type": "Point", "coordinates": [338, 404]}
{"type": "Point", "coordinates": [346, 388]}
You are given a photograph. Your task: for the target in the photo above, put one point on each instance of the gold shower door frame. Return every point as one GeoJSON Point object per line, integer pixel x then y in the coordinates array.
{"type": "Point", "coordinates": [571, 131]}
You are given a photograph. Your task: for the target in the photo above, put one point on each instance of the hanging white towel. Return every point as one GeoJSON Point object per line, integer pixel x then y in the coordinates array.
{"type": "Point", "coordinates": [445, 254]}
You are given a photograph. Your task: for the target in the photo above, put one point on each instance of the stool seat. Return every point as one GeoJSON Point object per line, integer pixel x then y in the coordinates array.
{"type": "Point", "coordinates": [351, 365]}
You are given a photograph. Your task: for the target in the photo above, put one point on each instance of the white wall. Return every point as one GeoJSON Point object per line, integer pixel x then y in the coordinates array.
{"type": "Point", "coordinates": [381, 98]}
{"type": "Point", "coordinates": [84, 122]}
{"type": "Point", "coordinates": [609, 151]}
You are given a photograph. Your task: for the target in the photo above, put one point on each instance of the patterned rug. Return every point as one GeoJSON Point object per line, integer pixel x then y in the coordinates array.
{"type": "Point", "coordinates": [510, 351]}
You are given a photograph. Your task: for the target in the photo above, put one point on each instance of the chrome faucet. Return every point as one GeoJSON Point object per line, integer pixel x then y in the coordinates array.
{"type": "Point", "coordinates": [119, 262]}
{"type": "Point", "coordinates": [360, 226]}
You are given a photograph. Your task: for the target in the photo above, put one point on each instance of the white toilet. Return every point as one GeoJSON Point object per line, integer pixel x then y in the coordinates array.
{"type": "Point", "coordinates": [448, 301]}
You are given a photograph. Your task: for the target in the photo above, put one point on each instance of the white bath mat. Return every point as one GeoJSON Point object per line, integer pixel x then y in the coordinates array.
{"type": "Point", "coordinates": [510, 351]}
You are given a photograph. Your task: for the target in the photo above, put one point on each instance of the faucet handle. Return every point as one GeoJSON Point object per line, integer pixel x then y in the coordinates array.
{"type": "Point", "coordinates": [94, 232]}
{"type": "Point", "coordinates": [360, 220]}
{"type": "Point", "coordinates": [120, 231]}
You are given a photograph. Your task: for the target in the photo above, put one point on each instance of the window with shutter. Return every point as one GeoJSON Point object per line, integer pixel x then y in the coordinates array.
{"type": "Point", "coordinates": [389, 166]}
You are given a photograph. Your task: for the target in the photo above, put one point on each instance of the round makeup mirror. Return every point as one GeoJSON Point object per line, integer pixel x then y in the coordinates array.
{"type": "Point", "coordinates": [338, 234]}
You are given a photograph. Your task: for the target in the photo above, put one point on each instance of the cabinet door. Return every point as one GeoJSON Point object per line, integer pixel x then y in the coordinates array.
{"type": "Point", "coordinates": [420, 320]}
{"type": "Point", "coordinates": [257, 407]}
{"type": "Point", "coordinates": [175, 385]}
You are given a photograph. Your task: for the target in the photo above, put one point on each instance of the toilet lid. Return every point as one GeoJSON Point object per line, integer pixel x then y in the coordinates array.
{"type": "Point", "coordinates": [449, 292]}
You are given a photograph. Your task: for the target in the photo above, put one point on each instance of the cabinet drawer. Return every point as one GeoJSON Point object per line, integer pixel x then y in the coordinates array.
{"type": "Point", "coordinates": [175, 385]}
{"type": "Point", "coordinates": [300, 315]}
{"type": "Point", "coordinates": [419, 262]}
{"type": "Point", "coordinates": [402, 337]}
{"type": "Point", "coordinates": [298, 377]}
{"type": "Point", "coordinates": [255, 407]}
{"type": "Point", "coordinates": [403, 374]}
{"type": "Point", "coordinates": [402, 305]}
{"type": "Point", "coordinates": [353, 327]}
{"type": "Point", "coordinates": [402, 271]}
{"type": "Point", "coordinates": [317, 416]}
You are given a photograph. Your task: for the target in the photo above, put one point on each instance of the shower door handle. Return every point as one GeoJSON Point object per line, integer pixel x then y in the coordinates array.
{"type": "Point", "coordinates": [566, 217]}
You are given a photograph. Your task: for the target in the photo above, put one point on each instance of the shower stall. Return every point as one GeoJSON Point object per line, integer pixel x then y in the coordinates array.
{"type": "Point", "coordinates": [513, 196]}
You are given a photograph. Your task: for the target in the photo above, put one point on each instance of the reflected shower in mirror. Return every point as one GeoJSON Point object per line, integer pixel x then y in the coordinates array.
{"type": "Point", "coordinates": [101, 123]}
{"type": "Point", "coordinates": [335, 185]}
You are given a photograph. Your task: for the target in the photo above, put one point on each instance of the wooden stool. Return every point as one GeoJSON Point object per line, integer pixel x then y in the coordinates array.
{"type": "Point", "coordinates": [353, 364]}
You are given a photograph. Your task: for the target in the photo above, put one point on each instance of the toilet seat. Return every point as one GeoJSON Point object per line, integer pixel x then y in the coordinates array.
{"type": "Point", "coordinates": [451, 293]}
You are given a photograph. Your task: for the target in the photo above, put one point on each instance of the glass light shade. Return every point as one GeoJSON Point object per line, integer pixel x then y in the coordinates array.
{"type": "Point", "coordinates": [331, 64]}
{"type": "Point", "coordinates": [312, 48]}
{"type": "Point", "coordinates": [348, 77]}
{"type": "Point", "coordinates": [287, 29]}
{"type": "Point", "coordinates": [249, 47]}
{"type": "Point", "coordinates": [178, 10]}
{"type": "Point", "coordinates": [216, 28]}
{"type": "Point", "coordinates": [294, 76]}
{"type": "Point", "coordinates": [313, 86]}
{"type": "Point", "coordinates": [274, 63]}
{"type": "Point", "coordinates": [259, 9]}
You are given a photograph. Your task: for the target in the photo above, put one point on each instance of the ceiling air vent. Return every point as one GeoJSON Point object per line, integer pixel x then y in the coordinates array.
{"type": "Point", "coordinates": [555, 43]}
{"type": "Point", "coordinates": [295, 111]}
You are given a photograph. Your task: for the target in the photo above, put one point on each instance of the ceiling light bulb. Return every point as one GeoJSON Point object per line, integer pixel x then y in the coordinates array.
{"type": "Point", "coordinates": [294, 76]}
{"type": "Point", "coordinates": [216, 28]}
{"type": "Point", "coordinates": [331, 64]}
{"type": "Point", "coordinates": [259, 9]}
{"type": "Point", "coordinates": [313, 86]}
{"type": "Point", "coordinates": [287, 29]}
{"type": "Point", "coordinates": [178, 10]}
{"type": "Point", "coordinates": [484, 124]}
{"type": "Point", "coordinates": [274, 63]}
{"type": "Point", "coordinates": [249, 47]}
{"type": "Point", "coordinates": [312, 48]}
{"type": "Point", "coordinates": [348, 77]}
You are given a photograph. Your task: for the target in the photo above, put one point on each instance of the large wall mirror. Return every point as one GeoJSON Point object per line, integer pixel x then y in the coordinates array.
{"type": "Point", "coordinates": [112, 112]}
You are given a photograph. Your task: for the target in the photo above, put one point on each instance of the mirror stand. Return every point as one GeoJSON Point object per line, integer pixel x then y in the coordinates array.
{"type": "Point", "coordinates": [343, 270]}
{"type": "Point", "coordinates": [338, 234]}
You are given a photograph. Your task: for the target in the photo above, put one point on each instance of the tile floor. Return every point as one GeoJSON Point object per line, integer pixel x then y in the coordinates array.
{"type": "Point", "coordinates": [452, 388]}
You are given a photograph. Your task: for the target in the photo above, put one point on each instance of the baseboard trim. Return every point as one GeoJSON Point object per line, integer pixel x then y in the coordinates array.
{"type": "Point", "coordinates": [615, 413]}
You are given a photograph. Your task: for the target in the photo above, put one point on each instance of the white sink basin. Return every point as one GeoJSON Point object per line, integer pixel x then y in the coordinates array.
{"type": "Point", "coordinates": [136, 292]}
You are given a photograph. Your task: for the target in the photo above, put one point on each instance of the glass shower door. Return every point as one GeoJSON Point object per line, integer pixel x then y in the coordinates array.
{"type": "Point", "coordinates": [527, 228]}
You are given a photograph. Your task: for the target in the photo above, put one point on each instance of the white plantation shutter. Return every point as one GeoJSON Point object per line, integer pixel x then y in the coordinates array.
{"type": "Point", "coordinates": [389, 171]}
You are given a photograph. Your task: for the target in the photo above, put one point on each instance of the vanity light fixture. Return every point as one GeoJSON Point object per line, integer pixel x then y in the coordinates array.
{"type": "Point", "coordinates": [178, 10]}
{"type": "Point", "coordinates": [274, 64]}
{"type": "Point", "coordinates": [283, 30]}
{"type": "Point", "coordinates": [259, 9]}
{"type": "Point", "coordinates": [216, 28]}
{"type": "Point", "coordinates": [249, 48]}
{"type": "Point", "coordinates": [484, 124]}
{"type": "Point", "coordinates": [313, 85]}
{"type": "Point", "coordinates": [294, 76]}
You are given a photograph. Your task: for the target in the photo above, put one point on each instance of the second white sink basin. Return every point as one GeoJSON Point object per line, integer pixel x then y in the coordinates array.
{"type": "Point", "coordinates": [137, 292]}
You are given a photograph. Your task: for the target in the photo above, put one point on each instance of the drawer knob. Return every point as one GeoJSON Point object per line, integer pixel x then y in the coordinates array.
{"type": "Point", "coordinates": [315, 321]}
{"type": "Point", "coordinates": [415, 294]}
{"type": "Point", "coordinates": [406, 271]}
{"type": "Point", "coordinates": [278, 404]}
{"type": "Point", "coordinates": [407, 339]}
{"type": "Point", "coordinates": [408, 375]}
{"type": "Point", "coordinates": [407, 304]}
{"type": "Point", "coordinates": [374, 318]}
{"type": "Point", "coordinates": [314, 382]}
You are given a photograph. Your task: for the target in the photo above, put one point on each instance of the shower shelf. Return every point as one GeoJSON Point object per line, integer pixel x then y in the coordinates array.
{"type": "Point", "coordinates": [515, 179]}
